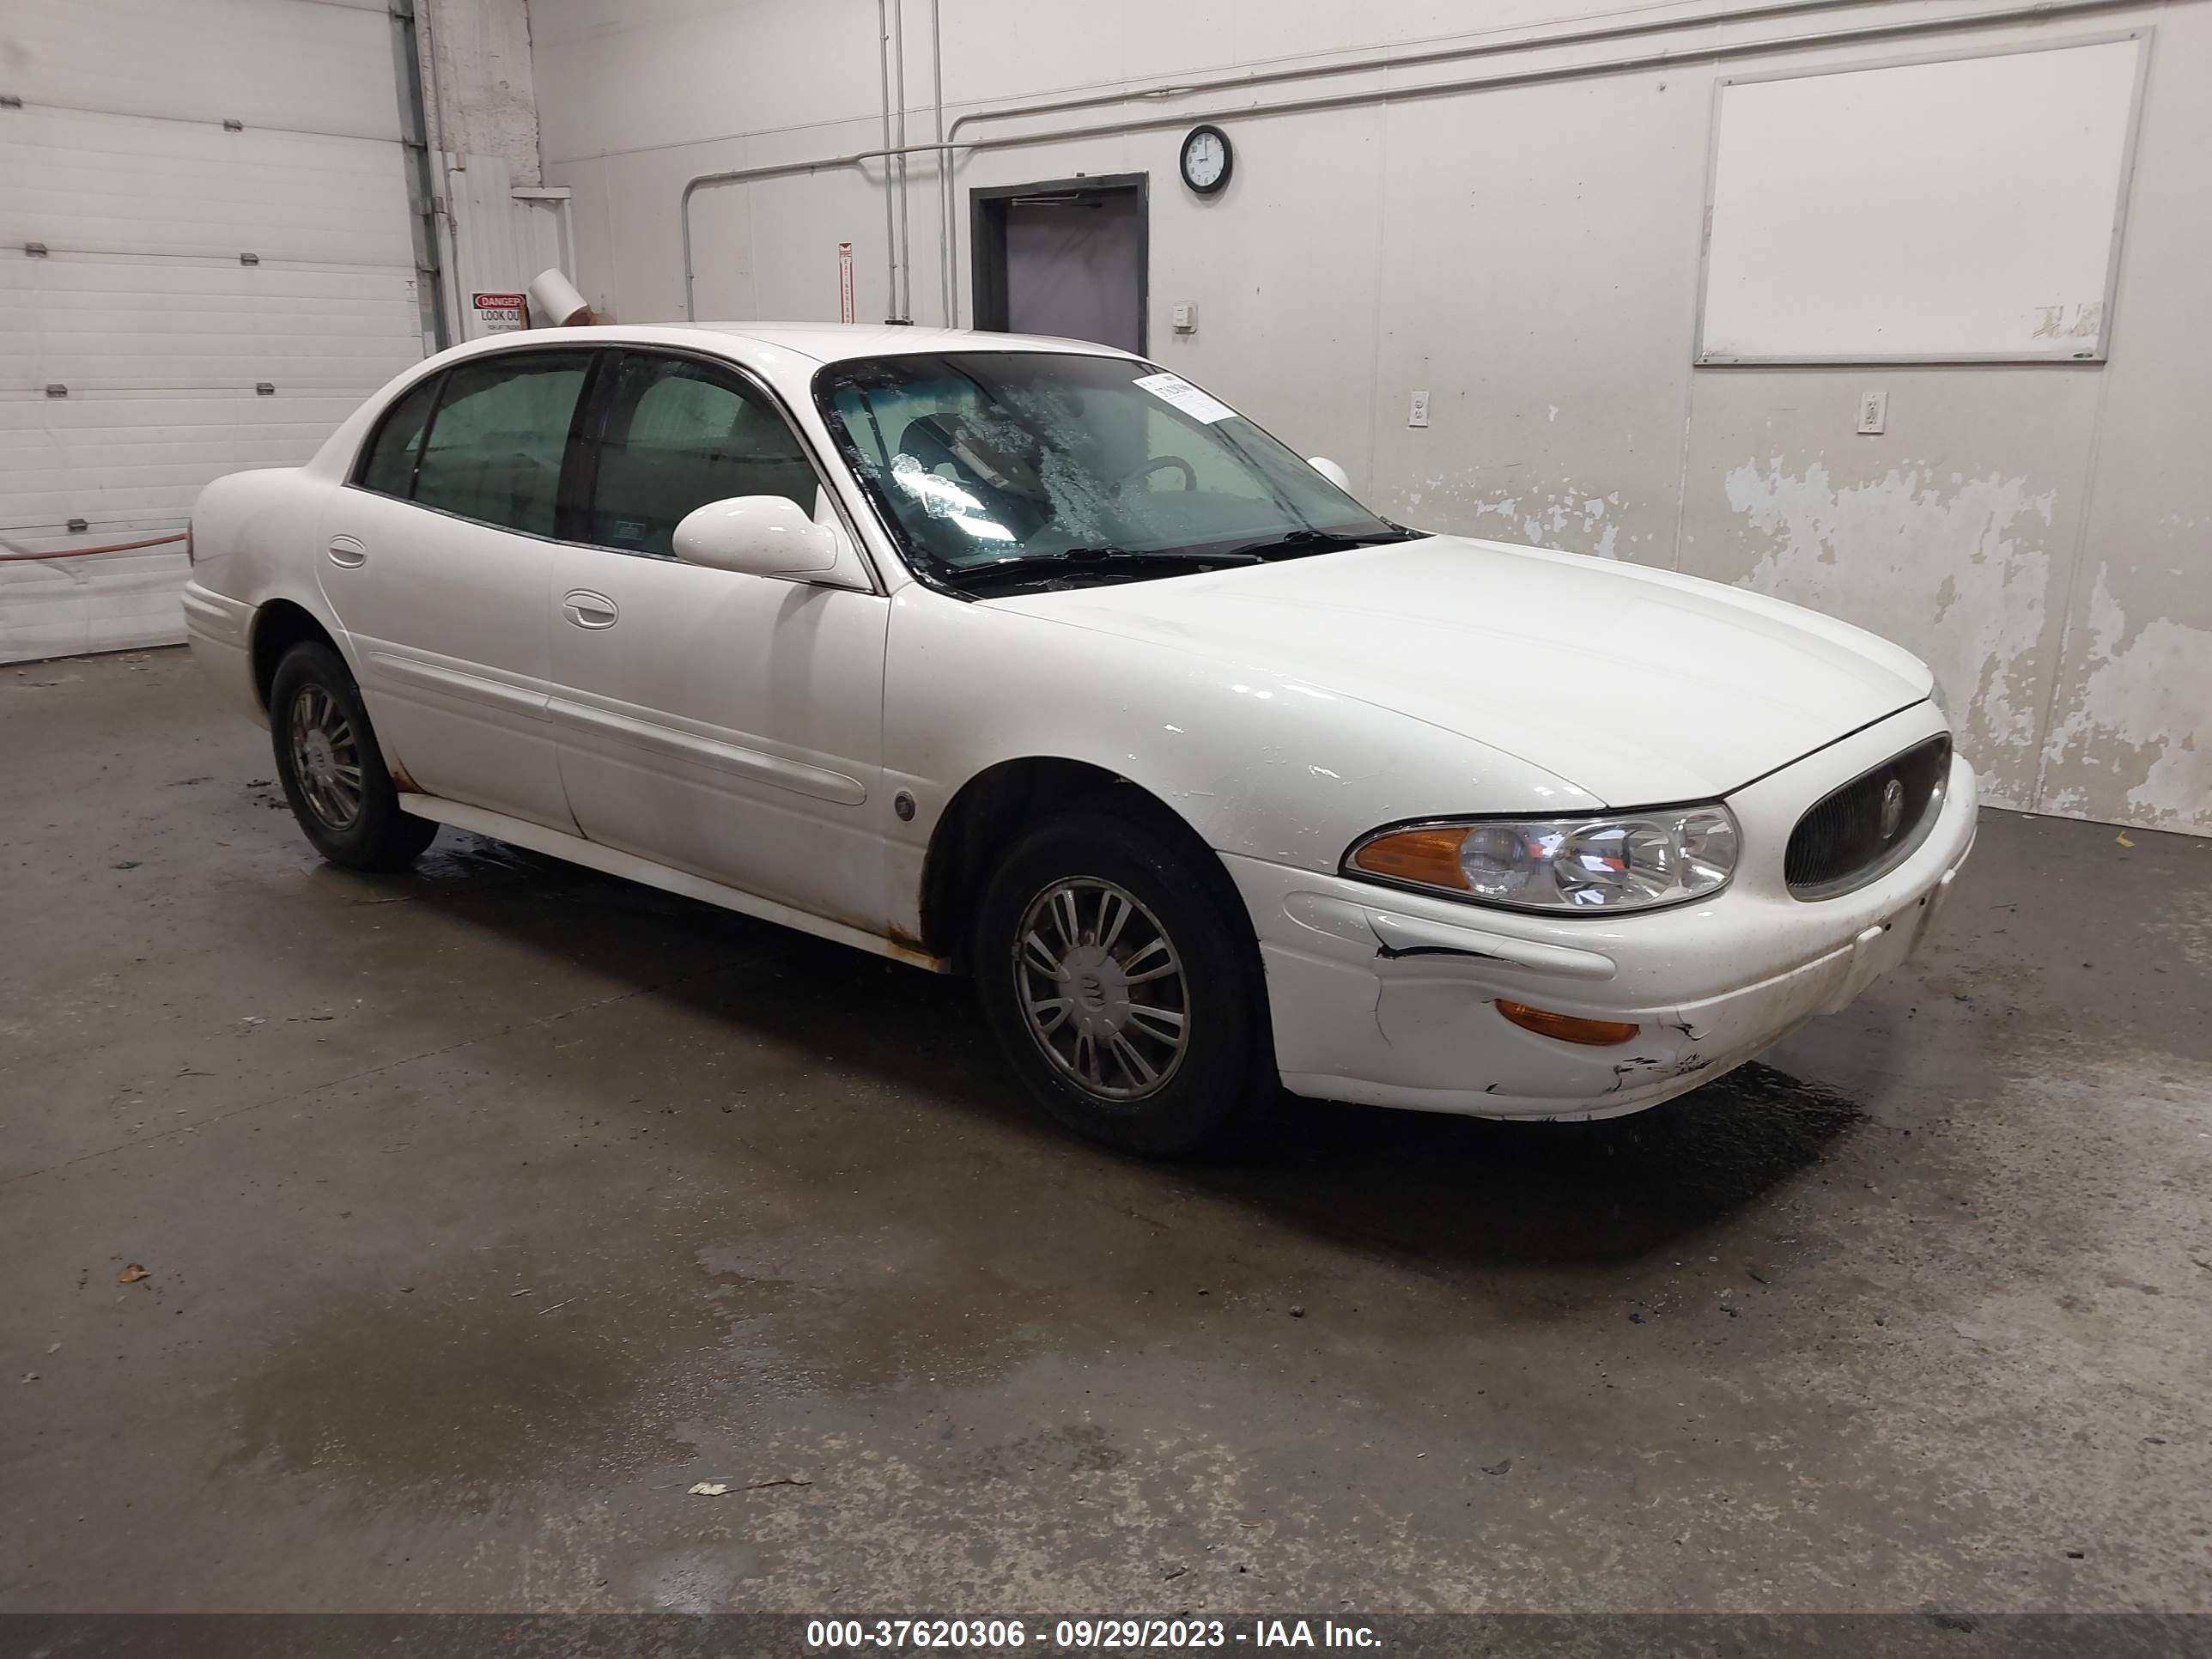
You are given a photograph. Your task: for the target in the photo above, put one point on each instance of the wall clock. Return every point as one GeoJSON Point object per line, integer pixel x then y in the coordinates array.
{"type": "Point", "coordinates": [1207, 159]}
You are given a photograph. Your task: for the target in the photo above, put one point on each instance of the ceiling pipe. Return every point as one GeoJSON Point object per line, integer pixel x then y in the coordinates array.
{"type": "Point", "coordinates": [2042, 10]}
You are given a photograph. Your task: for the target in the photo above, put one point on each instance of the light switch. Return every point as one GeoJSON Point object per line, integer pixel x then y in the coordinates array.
{"type": "Point", "coordinates": [1874, 412]}
{"type": "Point", "coordinates": [1417, 415]}
{"type": "Point", "coordinates": [1185, 318]}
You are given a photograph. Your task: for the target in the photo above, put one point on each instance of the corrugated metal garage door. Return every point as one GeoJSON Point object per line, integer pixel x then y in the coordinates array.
{"type": "Point", "coordinates": [219, 188]}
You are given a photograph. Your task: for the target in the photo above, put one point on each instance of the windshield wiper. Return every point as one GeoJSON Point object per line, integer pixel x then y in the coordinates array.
{"type": "Point", "coordinates": [1028, 566]}
{"type": "Point", "coordinates": [1322, 541]}
{"type": "Point", "coordinates": [1126, 556]}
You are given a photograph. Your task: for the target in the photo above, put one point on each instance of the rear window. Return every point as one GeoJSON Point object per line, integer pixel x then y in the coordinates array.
{"type": "Point", "coordinates": [497, 443]}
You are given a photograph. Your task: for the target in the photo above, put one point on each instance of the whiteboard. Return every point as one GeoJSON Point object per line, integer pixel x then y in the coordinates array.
{"type": "Point", "coordinates": [1962, 210]}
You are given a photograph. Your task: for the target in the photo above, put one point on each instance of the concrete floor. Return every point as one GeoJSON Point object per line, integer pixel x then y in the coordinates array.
{"type": "Point", "coordinates": [485, 1209]}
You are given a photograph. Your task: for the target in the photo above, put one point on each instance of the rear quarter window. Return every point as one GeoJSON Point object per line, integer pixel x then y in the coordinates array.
{"type": "Point", "coordinates": [387, 460]}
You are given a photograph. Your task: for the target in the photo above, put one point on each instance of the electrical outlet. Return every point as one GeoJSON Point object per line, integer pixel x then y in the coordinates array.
{"type": "Point", "coordinates": [1874, 412]}
{"type": "Point", "coordinates": [1417, 415]}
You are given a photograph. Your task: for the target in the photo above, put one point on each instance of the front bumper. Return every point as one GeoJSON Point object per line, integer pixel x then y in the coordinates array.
{"type": "Point", "coordinates": [1386, 998]}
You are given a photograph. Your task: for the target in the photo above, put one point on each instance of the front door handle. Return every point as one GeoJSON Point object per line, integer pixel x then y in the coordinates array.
{"type": "Point", "coordinates": [589, 610]}
{"type": "Point", "coordinates": [347, 551]}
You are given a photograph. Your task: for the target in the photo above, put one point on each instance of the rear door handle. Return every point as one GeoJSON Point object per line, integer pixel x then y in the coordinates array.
{"type": "Point", "coordinates": [589, 610]}
{"type": "Point", "coordinates": [347, 551]}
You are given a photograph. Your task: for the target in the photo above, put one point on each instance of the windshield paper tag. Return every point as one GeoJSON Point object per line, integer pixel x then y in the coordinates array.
{"type": "Point", "coordinates": [1174, 389]}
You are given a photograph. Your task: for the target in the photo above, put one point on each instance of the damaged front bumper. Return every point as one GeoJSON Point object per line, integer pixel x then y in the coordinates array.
{"type": "Point", "coordinates": [1386, 997]}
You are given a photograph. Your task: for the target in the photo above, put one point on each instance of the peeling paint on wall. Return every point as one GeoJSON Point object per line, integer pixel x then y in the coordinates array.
{"type": "Point", "coordinates": [2138, 718]}
{"type": "Point", "coordinates": [1557, 516]}
{"type": "Point", "coordinates": [1957, 572]}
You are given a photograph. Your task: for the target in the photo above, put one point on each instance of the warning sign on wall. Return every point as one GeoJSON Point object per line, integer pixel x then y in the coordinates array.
{"type": "Point", "coordinates": [502, 313]}
{"type": "Point", "coordinates": [844, 282]}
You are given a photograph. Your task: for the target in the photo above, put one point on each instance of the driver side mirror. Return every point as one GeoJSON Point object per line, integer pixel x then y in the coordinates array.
{"type": "Point", "coordinates": [1330, 470]}
{"type": "Point", "coordinates": [756, 535]}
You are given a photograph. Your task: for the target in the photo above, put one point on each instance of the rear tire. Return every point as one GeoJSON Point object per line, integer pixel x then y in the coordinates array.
{"type": "Point", "coordinates": [332, 770]}
{"type": "Point", "coordinates": [1122, 988]}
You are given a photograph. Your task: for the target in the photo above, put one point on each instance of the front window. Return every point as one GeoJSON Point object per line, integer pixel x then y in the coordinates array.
{"type": "Point", "coordinates": [679, 435]}
{"type": "Point", "coordinates": [998, 468]}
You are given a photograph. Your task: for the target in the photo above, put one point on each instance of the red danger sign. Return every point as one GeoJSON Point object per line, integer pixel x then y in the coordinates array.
{"type": "Point", "coordinates": [501, 313]}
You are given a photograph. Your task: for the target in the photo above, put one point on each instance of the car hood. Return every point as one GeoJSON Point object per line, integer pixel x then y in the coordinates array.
{"type": "Point", "coordinates": [1639, 686]}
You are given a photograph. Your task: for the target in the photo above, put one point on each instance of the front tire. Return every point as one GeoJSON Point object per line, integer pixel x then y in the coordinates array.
{"type": "Point", "coordinates": [332, 770]}
{"type": "Point", "coordinates": [1123, 987]}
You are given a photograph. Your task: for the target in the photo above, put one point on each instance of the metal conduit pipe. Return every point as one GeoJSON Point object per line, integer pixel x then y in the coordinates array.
{"type": "Point", "coordinates": [2041, 10]}
{"type": "Point", "coordinates": [446, 226]}
{"type": "Point", "coordinates": [890, 228]}
{"type": "Point", "coordinates": [902, 295]}
{"type": "Point", "coordinates": [948, 249]}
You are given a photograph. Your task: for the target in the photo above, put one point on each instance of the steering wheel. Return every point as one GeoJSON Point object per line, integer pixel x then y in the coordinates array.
{"type": "Point", "coordinates": [1189, 474]}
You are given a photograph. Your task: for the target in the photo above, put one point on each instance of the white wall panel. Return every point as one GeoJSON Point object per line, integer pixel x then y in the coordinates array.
{"type": "Point", "coordinates": [623, 78]}
{"type": "Point", "coordinates": [2129, 730]}
{"type": "Point", "coordinates": [1534, 283]}
{"type": "Point", "coordinates": [128, 184]}
{"type": "Point", "coordinates": [95, 323]}
{"type": "Point", "coordinates": [118, 162]}
{"type": "Point", "coordinates": [118, 603]}
{"type": "Point", "coordinates": [502, 241]}
{"type": "Point", "coordinates": [122, 460]}
{"type": "Point", "coordinates": [266, 63]}
{"type": "Point", "coordinates": [1959, 207]}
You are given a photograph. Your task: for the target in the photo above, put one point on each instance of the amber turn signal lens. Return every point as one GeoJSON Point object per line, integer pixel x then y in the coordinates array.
{"type": "Point", "coordinates": [1568, 1028]}
{"type": "Point", "coordinates": [1428, 856]}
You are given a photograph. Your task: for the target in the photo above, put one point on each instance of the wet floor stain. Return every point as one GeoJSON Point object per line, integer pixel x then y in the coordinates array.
{"type": "Point", "coordinates": [732, 1300]}
{"type": "Point", "coordinates": [461, 1400]}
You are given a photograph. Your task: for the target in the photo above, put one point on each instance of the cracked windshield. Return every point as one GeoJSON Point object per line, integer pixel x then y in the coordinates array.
{"type": "Point", "coordinates": [1020, 469]}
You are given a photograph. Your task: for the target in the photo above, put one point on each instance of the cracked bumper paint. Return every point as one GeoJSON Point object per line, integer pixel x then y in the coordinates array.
{"type": "Point", "coordinates": [1386, 997]}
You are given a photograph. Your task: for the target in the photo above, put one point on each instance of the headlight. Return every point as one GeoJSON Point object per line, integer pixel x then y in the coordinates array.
{"type": "Point", "coordinates": [1628, 861]}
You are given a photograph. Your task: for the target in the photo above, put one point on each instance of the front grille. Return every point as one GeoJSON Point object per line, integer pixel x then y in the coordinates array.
{"type": "Point", "coordinates": [1865, 829]}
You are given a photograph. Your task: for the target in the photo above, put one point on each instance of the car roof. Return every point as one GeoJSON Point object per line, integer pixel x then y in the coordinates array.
{"type": "Point", "coordinates": [828, 342]}
{"type": "Point", "coordinates": [785, 354]}
{"type": "Point", "coordinates": [819, 342]}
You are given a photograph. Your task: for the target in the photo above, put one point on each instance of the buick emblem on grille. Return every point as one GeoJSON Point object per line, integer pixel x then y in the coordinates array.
{"type": "Point", "coordinates": [1893, 808]}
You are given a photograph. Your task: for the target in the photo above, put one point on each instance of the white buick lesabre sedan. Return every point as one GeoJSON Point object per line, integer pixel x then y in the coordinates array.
{"type": "Point", "coordinates": [1028, 657]}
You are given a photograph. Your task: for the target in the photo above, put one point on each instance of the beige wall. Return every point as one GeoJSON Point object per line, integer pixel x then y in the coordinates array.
{"type": "Point", "coordinates": [1527, 255]}
{"type": "Point", "coordinates": [477, 96]}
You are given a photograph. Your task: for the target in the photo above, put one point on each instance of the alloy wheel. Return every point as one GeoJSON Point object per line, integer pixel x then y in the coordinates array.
{"type": "Point", "coordinates": [1102, 988]}
{"type": "Point", "coordinates": [325, 757]}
